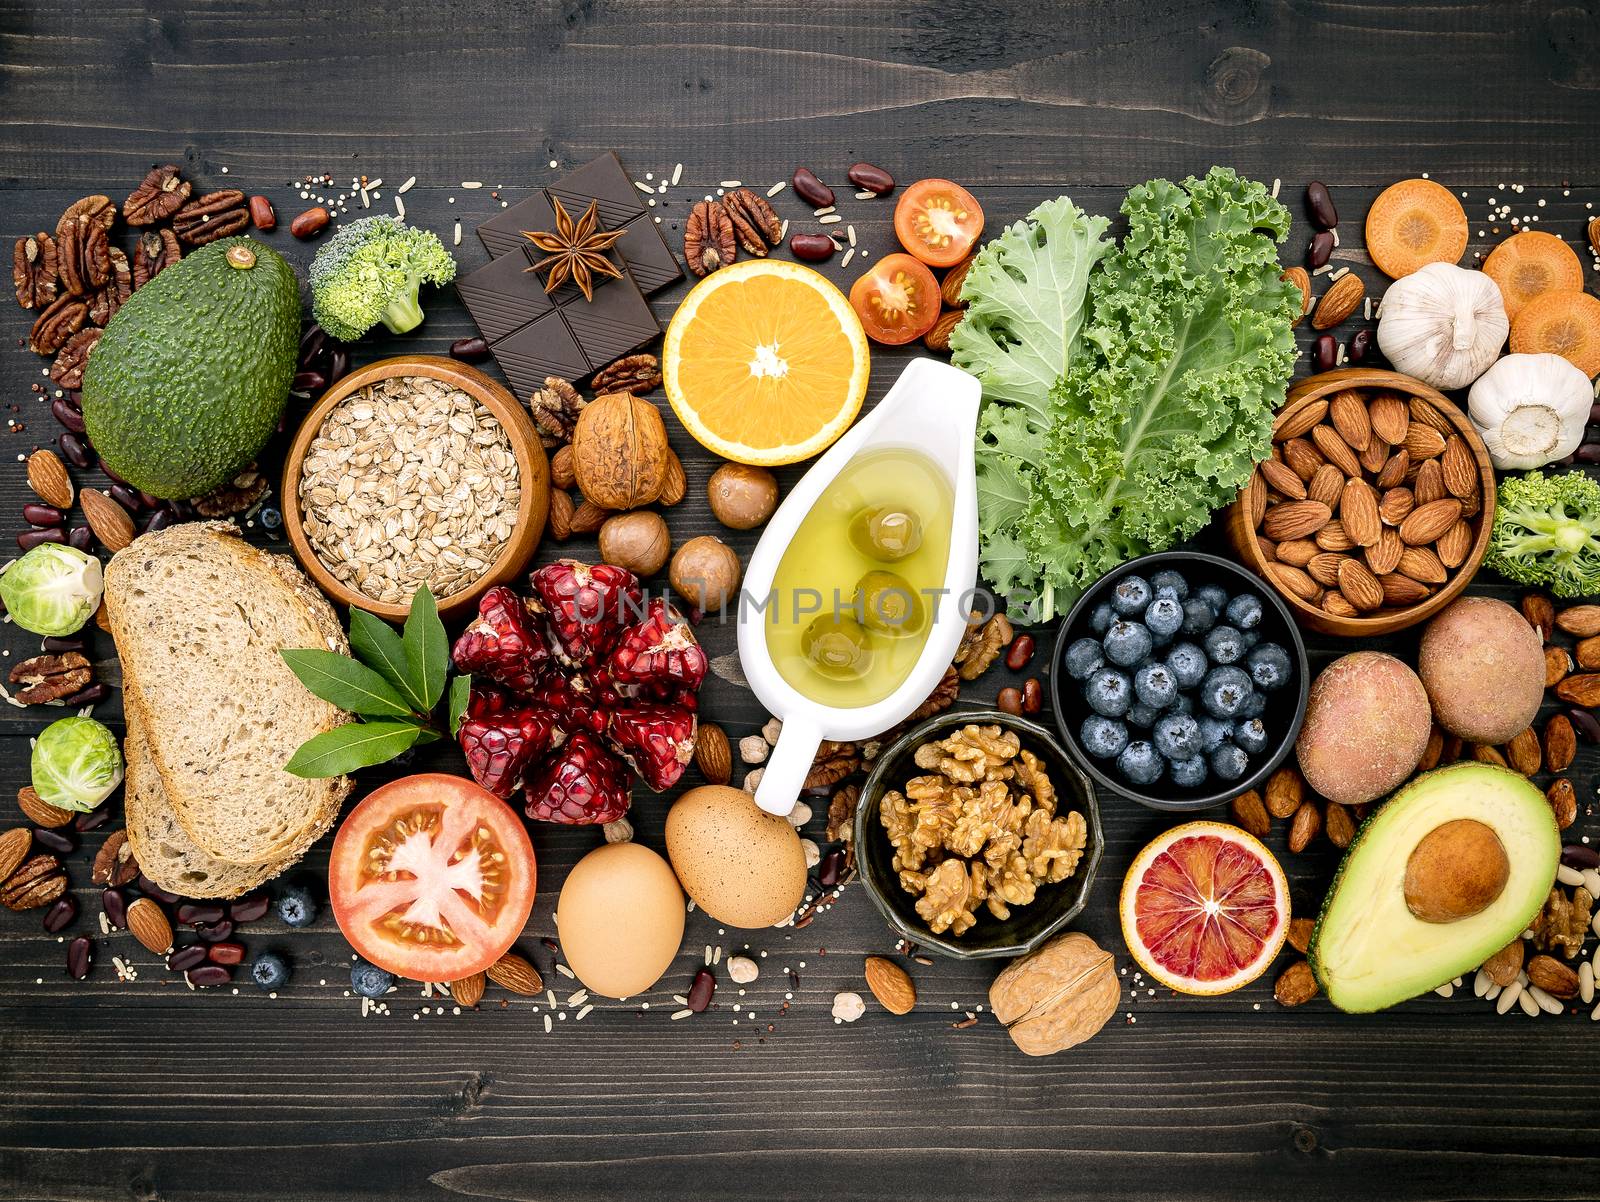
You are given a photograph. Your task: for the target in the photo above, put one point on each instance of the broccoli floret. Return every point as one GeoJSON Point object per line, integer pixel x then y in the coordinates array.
{"type": "Point", "coordinates": [1547, 533]}
{"type": "Point", "coordinates": [369, 272]}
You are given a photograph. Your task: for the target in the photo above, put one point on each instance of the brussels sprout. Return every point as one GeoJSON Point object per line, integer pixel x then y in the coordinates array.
{"type": "Point", "coordinates": [76, 764]}
{"type": "Point", "coordinates": [53, 589]}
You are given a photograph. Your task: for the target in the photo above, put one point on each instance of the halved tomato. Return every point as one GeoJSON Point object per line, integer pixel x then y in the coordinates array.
{"type": "Point", "coordinates": [431, 877]}
{"type": "Point", "coordinates": [897, 301]}
{"type": "Point", "coordinates": [938, 221]}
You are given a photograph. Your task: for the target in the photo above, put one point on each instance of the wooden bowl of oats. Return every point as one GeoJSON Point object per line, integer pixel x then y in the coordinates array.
{"type": "Point", "coordinates": [410, 471]}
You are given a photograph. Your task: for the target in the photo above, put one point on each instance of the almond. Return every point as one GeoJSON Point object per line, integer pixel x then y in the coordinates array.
{"type": "Point", "coordinates": [1374, 456]}
{"type": "Point", "coordinates": [1563, 799]}
{"type": "Point", "coordinates": [1384, 555]}
{"type": "Point", "coordinates": [514, 973]}
{"type": "Point", "coordinates": [1349, 417]}
{"type": "Point", "coordinates": [1336, 450]}
{"type": "Point", "coordinates": [1332, 537]}
{"type": "Point", "coordinates": [1394, 469]}
{"type": "Point", "coordinates": [1326, 485]}
{"type": "Point", "coordinates": [1502, 967]}
{"type": "Point", "coordinates": [1335, 604]}
{"type": "Point", "coordinates": [1359, 586]}
{"type": "Point", "coordinates": [1295, 519]}
{"type": "Point", "coordinates": [1580, 620]}
{"type": "Point", "coordinates": [1459, 468]}
{"type": "Point", "coordinates": [1269, 549]}
{"type": "Point", "coordinates": [1292, 580]}
{"type": "Point", "coordinates": [41, 812]}
{"type": "Point", "coordinates": [109, 521]}
{"type": "Point", "coordinates": [1324, 568]}
{"type": "Point", "coordinates": [1339, 301]}
{"type": "Point", "coordinates": [938, 336]}
{"type": "Point", "coordinates": [1395, 505]}
{"type": "Point", "coordinates": [1285, 791]}
{"type": "Point", "coordinates": [1540, 613]}
{"type": "Point", "coordinates": [950, 286]}
{"type": "Point", "coordinates": [1428, 522]}
{"type": "Point", "coordinates": [1304, 458]}
{"type": "Point", "coordinates": [1552, 976]}
{"type": "Point", "coordinates": [1293, 425]}
{"type": "Point", "coordinates": [1298, 984]}
{"type": "Point", "coordinates": [1253, 499]}
{"type": "Point", "coordinates": [150, 926]}
{"type": "Point", "coordinates": [1305, 826]}
{"type": "Point", "coordinates": [1297, 552]}
{"type": "Point", "coordinates": [675, 483]}
{"type": "Point", "coordinates": [1432, 750]}
{"type": "Point", "coordinates": [1587, 653]}
{"type": "Point", "coordinates": [1358, 510]}
{"type": "Point", "coordinates": [586, 519]}
{"type": "Point", "coordinates": [1454, 545]}
{"type": "Point", "coordinates": [1485, 754]}
{"type": "Point", "coordinates": [1425, 413]}
{"type": "Point", "coordinates": [890, 984]}
{"type": "Point", "coordinates": [1301, 279]}
{"type": "Point", "coordinates": [1594, 234]}
{"type": "Point", "coordinates": [1402, 590]}
{"type": "Point", "coordinates": [1560, 744]}
{"type": "Point", "coordinates": [1389, 418]}
{"type": "Point", "coordinates": [1422, 565]}
{"type": "Point", "coordinates": [561, 474]}
{"type": "Point", "coordinates": [1424, 442]}
{"type": "Point", "coordinates": [1524, 753]}
{"type": "Point", "coordinates": [1249, 814]}
{"type": "Point", "coordinates": [1557, 664]}
{"type": "Point", "coordinates": [1340, 824]}
{"type": "Point", "coordinates": [712, 754]}
{"type": "Point", "coordinates": [1282, 477]}
{"type": "Point", "coordinates": [1300, 932]}
{"type": "Point", "coordinates": [1427, 482]}
{"type": "Point", "coordinates": [559, 522]}
{"type": "Point", "coordinates": [468, 991]}
{"type": "Point", "coordinates": [47, 476]}
{"type": "Point", "coordinates": [14, 847]}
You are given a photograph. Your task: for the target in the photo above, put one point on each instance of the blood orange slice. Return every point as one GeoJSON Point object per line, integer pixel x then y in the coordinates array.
{"type": "Point", "coordinates": [1205, 908]}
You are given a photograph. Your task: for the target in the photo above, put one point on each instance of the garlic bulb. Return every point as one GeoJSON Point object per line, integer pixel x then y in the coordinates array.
{"type": "Point", "coordinates": [1443, 324]}
{"type": "Point", "coordinates": [1530, 409]}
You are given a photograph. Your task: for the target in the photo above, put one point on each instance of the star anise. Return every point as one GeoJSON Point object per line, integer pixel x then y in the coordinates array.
{"type": "Point", "coordinates": [575, 250]}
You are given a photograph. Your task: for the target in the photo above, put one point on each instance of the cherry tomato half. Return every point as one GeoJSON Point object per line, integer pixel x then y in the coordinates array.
{"type": "Point", "coordinates": [431, 877]}
{"type": "Point", "coordinates": [938, 221]}
{"type": "Point", "coordinates": [897, 300]}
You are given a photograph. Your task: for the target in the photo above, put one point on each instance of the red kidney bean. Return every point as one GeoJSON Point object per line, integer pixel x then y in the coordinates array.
{"type": "Point", "coordinates": [1326, 352]}
{"type": "Point", "coordinates": [150, 889]}
{"type": "Point", "coordinates": [161, 519]}
{"type": "Point", "coordinates": [56, 644]}
{"type": "Point", "coordinates": [310, 223]}
{"type": "Point", "coordinates": [209, 974]}
{"type": "Point", "coordinates": [339, 364]}
{"type": "Point", "coordinates": [91, 694]}
{"type": "Point", "coordinates": [81, 537]}
{"type": "Point", "coordinates": [1319, 206]}
{"type": "Point", "coordinates": [74, 398]}
{"type": "Point", "coordinates": [59, 916]}
{"type": "Point", "coordinates": [311, 343]}
{"type": "Point", "coordinates": [1009, 700]}
{"type": "Point", "coordinates": [115, 906]}
{"type": "Point", "coordinates": [42, 515]}
{"type": "Point", "coordinates": [75, 448]}
{"type": "Point", "coordinates": [828, 871]}
{"type": "Point", "coordinates": [146, 501]}
{"type": "Point", "coordinates": [1594, 412]}
{"type": "Point", "coordinates": [1588, 725]}
{"type": "Point", "coordinates": [91, 820]}
{"type": "Point", "coordinates": [1579, 856]}
{"type": "Point", "coordinates": [126, 497]}
{"type": "Point", "coordinates": [1589, 452]}
{"type": "Point", "coordinates": [308, 381]}
{"type": "Point", "coordinates": [80, 957]}
{"type": "Point", "coordinates": [813, 248]}
{"type": "Point", "coordinates": [700, 992]}
{"type": "Point", "coordinates": [187, 957]}
{"type": "Point", "coordinates": [1020, 652]}
{"type": "Point", "coordinates": [190, 913]}
{"type": "Point", "coordinates": [871, 179]}
{"type": "Point", "coordinates": [249, 909]}
{"type": "Point", "coordinates": [1361, 346]}
{"type": "Point", "coordinates": [69, 417]}
{"type": "Point", "coordinates": [262, 215]}
{"type": "Point", "coordinates": [1032, 695]}
{"type": "Point", "coordinates": [216, 932]}
{"type": "Point", "coordinates": [1320, 250]}
{"type": "Point", "coordinates": [811, 189]}
{"type": "Point", "coordinates": [61, 840]}
{"type": "Point", "coordinates": [29, 539]}
{"type": "Point", "coordinates": [112, 476]}
{"type": "Point", "coordinates": [226, 953]}
{"type": "Point", "coordinates": [469, 349]}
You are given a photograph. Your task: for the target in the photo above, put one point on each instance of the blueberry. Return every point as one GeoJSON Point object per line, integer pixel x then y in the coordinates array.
{"type": "Point", "coordinates": [1182, 704]}
{"type": "Point", "coordinates": [1163, 616]}
{"type": "Point", "coordinates": [1140, 764]}
{"type": "Point", "coordinates": [1190, 774]}
{"type": "Point", "coordinates": [1131, 596]}
{"type": "Point", "coordinates": [1224, 645]}
{"type": "Point", "coordinates": [296, 906]}
{"type": "Point", "coordinates": [271, 519]}
{"type": "Point", "coordinates": [1198, 616]}
{"type": "Point", "coordinates": [1244, 611]}
{"type": "Point", "coordinates": [1127, 643]}
{"type": "Point", "coordinates": [270, 971]}
{"type": "Point", "coordinates": [1269, 666]}
{"type": "Point", "coordinates": [1103, 738]}
{"type": "Point", "coordinates": [1251, 735]}
{"type": "Point", "coordinates": [1188, 664]}
{"type": "Point", "coordinates": [1100, 620]}
{"type": "Point", "coordinates": [1177, 736]}
{"type": "Point", "coordinates": [369, 980]}
{"type": "Point", "coordinates": [1213, 596]}
{"type": "Point", "coordinates": [1168, 583]}
{"type": "Point", "coordinates": [1213, 733]}
{"type": "Point", "coordinates": [1155, 685]}
{"type": "Point", "coordinates": [1254, 706]}
{"type": "Point", "coordinates": [1108, 693]}
{"type": "Point", "coordinates": [1083, 658]}
{"type": "Point", "coordinates": [1143, 716]}
{"type": "Point", "coordinates": [1229, 762]}
{"type": "Point", "coordinates": [1249, 638]}
{"type": "Point", "coordinates": [1224, 691]}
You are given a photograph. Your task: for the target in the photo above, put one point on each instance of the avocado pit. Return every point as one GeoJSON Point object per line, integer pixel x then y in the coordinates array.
{"type": "Point", "coordinates": [1457, 870]}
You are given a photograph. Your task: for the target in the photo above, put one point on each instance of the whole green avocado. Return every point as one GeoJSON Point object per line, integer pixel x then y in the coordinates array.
{"type": "Point", "coordinates": [190, 378]}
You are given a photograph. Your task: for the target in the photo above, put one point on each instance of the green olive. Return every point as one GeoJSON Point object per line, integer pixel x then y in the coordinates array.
{"type": "Point", "coordinates": [888, 603]}
{"type": "Point", "coordinates": [886, 533]}
{"type": "Point", "coordinates": [838, 646]}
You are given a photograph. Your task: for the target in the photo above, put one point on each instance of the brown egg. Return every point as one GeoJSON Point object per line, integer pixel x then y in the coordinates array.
{"type": "Point", "coordinates": [742, 865]}
{"type": "Point", "coordinates": [620, 919]}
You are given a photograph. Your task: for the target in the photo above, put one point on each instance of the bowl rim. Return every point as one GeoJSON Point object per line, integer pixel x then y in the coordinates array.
{"type": "Point", "coordinates": [864, 827]}
{"type": "Point", "coordinates": [1065, 637]}
{"type": "Point", "coordinates": [534, 475]}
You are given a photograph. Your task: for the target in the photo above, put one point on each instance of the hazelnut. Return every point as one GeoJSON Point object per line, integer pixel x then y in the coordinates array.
{"type": "Point", "coordinates": [637, 541]}
{"type": "Point", "coordinates": [705, 572]}
{"type": "Point", "coordinates": [741, 496]}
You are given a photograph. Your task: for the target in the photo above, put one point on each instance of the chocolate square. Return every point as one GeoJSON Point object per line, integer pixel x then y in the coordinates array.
{"type": "Point", "coordinates": [652, 264]}
{"type": "Point", "coordinates": [604, 181]}
{"type": "Point", "coordinates": [543, 347]}
{"type": "Point", "coordinates": [504, 296]}
{"type": "Point", "coordinates": [617, 321]}
{"type": "Point", "coordinates": [502, 233]}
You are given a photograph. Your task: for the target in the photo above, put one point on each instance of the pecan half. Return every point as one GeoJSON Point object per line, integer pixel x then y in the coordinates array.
{"type": "Point", "coordinates": [212, 216]}
{"type": "Point", "coordinates": [637, 374]}
{"type": "Point", "coordinates": [833, 763]}
{"type": "Point", "coordinates": [33, 270]}
{"type": "Point", "coordinates": [155, 251]}
{"type": "Point", "coordinates": [96, 208]}
{"type": "Point", "coordinates": [237, 495]}
{"type": "Point", "coordinates": [158, 197]}
{"type": "Point", "coordinates": [104, 303]}
{"type": "Point", "coordinates": [83, 256]}
{"type": "Point", "coordinates": [555, 409]}
{"type": "Point", "coordinates": [708, 238]}
{"type": "Point", "coordinates": [56, 324]}
{"type": "Point", "coordinates": [754, 221]}
{"type": "Point", "coordinates": [37, 883]}
{"type": "Point", "coordinates": [51, 677]}
{"type": "Point", "coordinates": [67, 370]}
{"type": "Point", "coordinates": [114, 863]}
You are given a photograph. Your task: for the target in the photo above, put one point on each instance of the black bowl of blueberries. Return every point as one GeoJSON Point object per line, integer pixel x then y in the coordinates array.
{"type": "Point", "coordinates": [1179, 681]}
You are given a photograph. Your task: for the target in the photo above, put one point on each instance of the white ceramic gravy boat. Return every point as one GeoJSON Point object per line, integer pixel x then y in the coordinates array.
{"type": "Point", "coordinates": [932, 408]}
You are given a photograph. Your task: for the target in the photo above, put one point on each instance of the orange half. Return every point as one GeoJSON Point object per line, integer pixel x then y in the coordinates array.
{"type": "Point", "coordinates": [765, 362]}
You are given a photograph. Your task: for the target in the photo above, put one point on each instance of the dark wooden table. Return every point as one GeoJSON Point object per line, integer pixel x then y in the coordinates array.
{"type": "Point", "coordinates": [143, 1090]}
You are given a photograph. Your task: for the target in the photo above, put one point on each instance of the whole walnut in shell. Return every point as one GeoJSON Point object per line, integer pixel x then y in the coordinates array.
{"type": "Point", "coordinates": [619, 452]}
{"type": "Point", "coordinates": [1058, 996]}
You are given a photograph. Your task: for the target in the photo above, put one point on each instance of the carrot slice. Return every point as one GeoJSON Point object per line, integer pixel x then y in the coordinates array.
{"type": "Point", "coordinates": [1561, 323]}
{"type": "Point", "coordinates": [1414, 223]}
{"type": "Point", "coordinates": [1530, 264]}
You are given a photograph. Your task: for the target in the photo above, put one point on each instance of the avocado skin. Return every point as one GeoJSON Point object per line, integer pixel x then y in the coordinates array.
{"type": "Point", "coordinates": [190, 378]}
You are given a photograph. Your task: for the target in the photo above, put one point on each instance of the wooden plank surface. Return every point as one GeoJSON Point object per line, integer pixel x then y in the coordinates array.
{"type": "Point", "coordinates": [139, 1089]}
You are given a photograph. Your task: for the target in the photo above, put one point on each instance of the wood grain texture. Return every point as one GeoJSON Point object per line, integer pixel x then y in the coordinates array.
{"type": "Point", "coordinates": [119, 1090]}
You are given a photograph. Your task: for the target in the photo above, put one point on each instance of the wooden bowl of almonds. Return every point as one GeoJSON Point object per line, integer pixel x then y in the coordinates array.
{"type": "Point", "coordinates": [1375, 509]}
{"type": "Point", "coordinates": [410, 471]}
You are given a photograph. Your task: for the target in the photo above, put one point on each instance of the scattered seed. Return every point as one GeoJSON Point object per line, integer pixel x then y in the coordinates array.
{"type": "Point", "coordinates": [848, 255]}
{"type": "Point", "coordinates": [865, 195]}
{"type": "Point", "coordinates": [457, 241]}
{"type": "Point", "coordinates": [400, 207]}
{"type": "Point", "coordinates": [407, 186]}
{"type": "Point", "coordinates": [677, 174]}
{"type": "Point", "coordinates": [776, 188]}
{"type": "Point", "coordinates": [645, 188]}
{"type": "Point", "coordinates": [676, 1014]}
{"type": "Point", "coordinates": [830, 219]}
{"type": "Point", "coordinates": [471, 185]}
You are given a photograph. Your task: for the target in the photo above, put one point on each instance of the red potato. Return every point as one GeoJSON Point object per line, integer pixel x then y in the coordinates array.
{"type": "Point", "coordinates": [1483, 667]}
{"type": "Point", "coordinates": [1367, 724]}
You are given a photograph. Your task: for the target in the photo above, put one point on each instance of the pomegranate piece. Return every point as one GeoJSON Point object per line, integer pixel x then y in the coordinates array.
{"type": "Point", "coordinates": [588, 606]}
{"type": "Point", "coordinates": [572, 699]}
{"type": "Point", "coordinates": [502, 642]}
{"type": "Point", "coordinates": [502, 736]}
{"type": "Point", "coordinates": [660, 653]}
{"type": "Point", "coordinates": [656, 740]}
{"type": "Point", "coordinates": [582, 784]}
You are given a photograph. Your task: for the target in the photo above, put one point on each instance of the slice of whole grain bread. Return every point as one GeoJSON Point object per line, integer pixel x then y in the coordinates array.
{"type": "Point", "coordinates": [199, 617]}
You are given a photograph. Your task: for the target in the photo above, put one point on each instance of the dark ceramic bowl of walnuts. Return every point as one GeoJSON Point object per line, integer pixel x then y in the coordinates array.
{"type": "Point", "coordinates": [977, 835]}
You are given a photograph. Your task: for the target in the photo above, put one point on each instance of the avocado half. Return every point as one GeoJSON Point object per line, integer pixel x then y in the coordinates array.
{"type": "Point", "coordinates": [1370, 949]}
